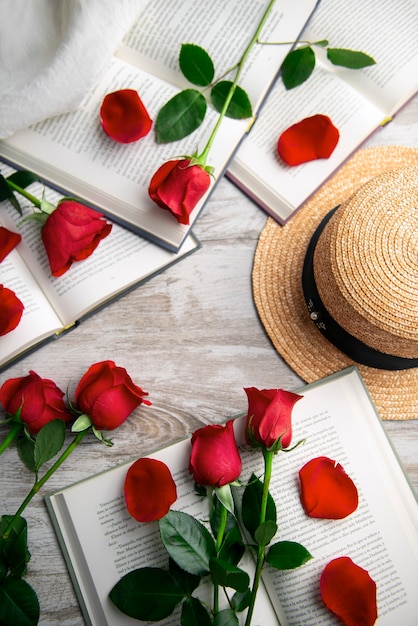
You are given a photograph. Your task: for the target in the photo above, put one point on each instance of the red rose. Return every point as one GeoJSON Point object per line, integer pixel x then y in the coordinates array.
{"type": "Point", "coordinates": [178, 186]}
{"type": "Point", "coordinates": [149, 490]}
{"type": "Point", "coordinates": [348, 591]}
{"type": "Point", "coordinates": [215, 460]}
{"type": "Point", "coordinates": [124, 117]}
{"type": "Point", "coordinates": [312, 138]}
{"type": "Point", "coordinates": [11, 309]}
{"type": "Point", "coordinates": [326, 491]}
{"type": "Point", "coordinates": [269, 417]}
{"type": "Point", "coordinates": [8, 241]}
{"type": "Point", "coordinates": [72, 233]}
{"type": "Point", "coordinates": [107, 394]}
{"type": "Point", "coordinates": [41, 401]}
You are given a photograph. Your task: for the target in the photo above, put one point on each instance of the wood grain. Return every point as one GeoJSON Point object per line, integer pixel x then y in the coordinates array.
{"type": "Point", "coordinates": [192, 339]}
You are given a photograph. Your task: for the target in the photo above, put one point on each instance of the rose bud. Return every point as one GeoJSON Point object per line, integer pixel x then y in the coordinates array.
{"type": "Point", "coordinates": [11, 309]}
{"type": "Point", "coordinates": [178, 186]}
{"type": "Point", "coordinates": [326, 491]}
{"type": "Point", "coordinates": [149, 490]}
{"type": "Point", "coordinates": [124, 117]}
{"type": "Point", "coordinates": [71, 233]}
{"type": "Point", "coordinates": [349, 592]}
{"type": "Point", "coordinates": [8, 241]}
{"type": "Point", "coordinates": [107, 394]}
{"type": "Point", "coordinates": [215, 460]}
{"type": "Point", "coordinates": [269, 417]}
{"type": "Point", "coordinates": [312, 138]}
{"type": "Point", "coordinates": [39, 399]}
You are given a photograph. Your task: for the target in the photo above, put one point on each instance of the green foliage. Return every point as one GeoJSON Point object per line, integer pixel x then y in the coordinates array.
{"type": "Point", "coordinates": [265, 532]}
{"type": "Point", "coordinates": [287, 555]}
{"type": "Point", "coordinates": [19, 605]}
{"type": "Point", "coordinates": [297, 67]}
{"type": "Point", "coordinates": [196, 65]}
{"type": "Point", "coordinates": [180, 116]}
{"type": "Point", "coordinates": [7, 194]}
{"type": "Point", "coordinates": [26, 452]}
{"type": "Point", "coordinates": [149, 593]}
{"type": "Point", "coordinates": [23, 178]}
{"type": "Point", "coordinates": [241, 600]}
{"type": "Point", "coordinates": [194, 613]}
{"type": "Point", "coordinates": [239, 107]}
{"type": "Point", "coordinates": [353, 59]}
{"type": "Point", "coordinates": [251, 505]}
{"type": "Point", "coordinates": [227, 575]}
{"type": "Point", "coordinates": [187, 541]}
{"type": "Point", "coordinates": [226, 617]}
{"type": "Point", "coordinates": [188, 582]}
{"type": "Point", "coordinates": [14, 554]}
{"type": "Point", "coordinates": [49, 442]}
{"type": "Point", "coordinates": [233, 547]}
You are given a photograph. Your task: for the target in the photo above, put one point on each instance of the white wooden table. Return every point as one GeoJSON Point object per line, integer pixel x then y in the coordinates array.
{"type": "Point", "coordinates": [192, 339]}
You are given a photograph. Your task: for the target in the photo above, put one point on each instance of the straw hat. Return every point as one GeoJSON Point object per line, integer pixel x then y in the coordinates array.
{"type": "Point", "coordinates": [360, 279]}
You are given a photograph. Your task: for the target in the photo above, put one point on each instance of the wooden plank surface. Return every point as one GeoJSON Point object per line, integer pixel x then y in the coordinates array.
{"type": "Point", "coordinates": [192, 339]}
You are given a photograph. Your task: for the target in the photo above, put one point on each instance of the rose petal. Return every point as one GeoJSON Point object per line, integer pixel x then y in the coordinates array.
{"type": "Point", "coordinates": [326, 491]}
{"type": "Point", "coordinates": [124, 117]}
{"type": "Point", "coordinates": [149, 490]}
{"type": "Point", "coordinates": [312, 138]}
{"type": "Point", "coordinates": [8, 241]}
{"type": "Point", "coordinates": [11, 310]}
{"type": "Point", "coordinates": [349, 592]}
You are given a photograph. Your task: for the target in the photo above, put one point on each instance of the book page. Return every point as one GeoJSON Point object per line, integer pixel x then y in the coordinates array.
{"type": "Point", "coordinates": [384, 29]}
{"type": "Point", "coordinates": [224, 30]}
{"type": "Point", "coordinates": [337, 420]}
{"type": "Point", "coordinates": [38, 320]}
{"type": "Point", "coordinates": [112, 543]}
{"type": "Point", "coordinates": [120, 261]}
{"type": "Point", "coordinates": [257, 166]}
{"type": "Point", "coordinates": [74, 153]}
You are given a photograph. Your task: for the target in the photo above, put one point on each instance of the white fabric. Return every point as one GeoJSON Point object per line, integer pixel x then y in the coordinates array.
{"type": "Point", "coordinates": [52, 51]}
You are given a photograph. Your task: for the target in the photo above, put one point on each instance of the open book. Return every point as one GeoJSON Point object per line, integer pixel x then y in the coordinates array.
{"type": "Point", "coordinates": [73, 152]}
{"type": "Point", "coordinates": [357, 101]}
{"type": "Point", "coordinates": [121, 261]}
{"type": "Point", "coordinates": [336, 417]}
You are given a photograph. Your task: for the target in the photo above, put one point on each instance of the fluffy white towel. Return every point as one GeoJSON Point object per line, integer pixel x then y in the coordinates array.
{"type": "Point", "coordinates": [52, 51]}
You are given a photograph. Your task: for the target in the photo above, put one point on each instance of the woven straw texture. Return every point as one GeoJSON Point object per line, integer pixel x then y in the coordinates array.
{"type": "Point", "coordinates": [278, 293]}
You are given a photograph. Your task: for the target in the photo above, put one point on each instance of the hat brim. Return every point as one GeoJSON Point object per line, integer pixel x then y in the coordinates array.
{"type": "Point", "coordinates": [278, 296]}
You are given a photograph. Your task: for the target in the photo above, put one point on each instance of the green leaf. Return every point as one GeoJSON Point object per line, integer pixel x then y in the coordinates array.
{"type": "Point", "coordinates": [19, 604]}
{"type": "Point", "coordinates": [193, 613]}
{"type": "Point", "coordinates": [14, 548]}
{"type": "Point", "coordinates": [353, 59]}
{"type": "Point", "coordinates": [240, 106]}
{"type": "Point", "coordinates": [187, 541]}
{"type": "Point", "coordinates": [216, 515]}
{"type": "Point", "coordinates": [287, 555]}
{"type": "Point", "coordinates": [49, 442]}
{"type": "Point", "coordinates": [149, 593]}
{"type": "Point", "coordinates": [7, 194]}
{"type": "Point", "coordinates": [23, 178]}
{"type": "Point", "coordinates": [26, 452]}
{"type": "Point", "coordinates": [233, 547]}
{"type": "Point", "coordinates": [227, 575]}
{"type": "Point", "coordinates": [265, 533]}
{"type": "Point", "coordinates": [297, 67]}
{"type": "Point", "coordinates": [196, 64]}
{"type": "Point", "coordinates": [251, 505]}
{"type": "Point", "coordinates": [224, 495]}
{"type": "Point", "coordinates": [82, 423]}
{"type": "Point", "coordinates": [180, 116]}
{"type": "Point", "coordinates": [240, 601]}
{"type": "Point", "coordinates": [226, 617]}
{"type": "Point", "coordinates": [188, 582]}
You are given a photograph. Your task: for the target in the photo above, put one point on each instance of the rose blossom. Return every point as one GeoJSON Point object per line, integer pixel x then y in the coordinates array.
{"type": "Point", "coordinates": [326, 491]}
{"type": "Point", "coordinates": [8, 241]}
{"type": "Point", "coordinates": [11, 309]}
{"type": "Point", "coordinates": [269, 416]}
{"type": "Point", "coordinates": [349, 592]}
{"type": "Point", "coordinates": [124, 117]}
{"type": "Point", "coordinates": [215, 460]}
{"type": "Point", "coordinates": [71, 233]}
{"type": "Point", "coordinates": [149, 490]}
{"type": "Point", "coordinates": [312, 138]}
{"type": "Point", "coordinates": [178, 186]}
{"type": "Point", "coordinates": [40, 400]}
{"type": "Point", "coordinates": [107, 394]}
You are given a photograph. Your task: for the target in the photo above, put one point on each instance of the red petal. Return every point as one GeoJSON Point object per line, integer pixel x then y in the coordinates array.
{"type": "Point", "coordinates": [348, 591]}
{"type": "Point", "coordinates": [8, 241]}
{"type": "Point", "coordinates": [149, 490]}
{"type": "Point", "coordinates": [124, 117]}
{"type": "Point", "coordinates": [11, 309]}
{"type": "Point", "coordinates": [312, 138]}
{"type": "Point", "coordinates": [326, 491]}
